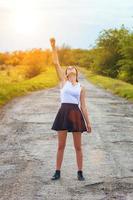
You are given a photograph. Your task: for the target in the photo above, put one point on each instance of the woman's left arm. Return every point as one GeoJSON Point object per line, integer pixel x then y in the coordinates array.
{"type": "Point", "coordinates": [83, 108]}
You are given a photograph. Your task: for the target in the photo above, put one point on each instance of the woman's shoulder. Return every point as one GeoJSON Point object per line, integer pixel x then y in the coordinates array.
{"type": "Point", "coordinates": [62, 83]}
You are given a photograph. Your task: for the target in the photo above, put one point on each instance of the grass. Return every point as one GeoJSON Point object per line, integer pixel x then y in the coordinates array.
{"type": "Point", "coordinates": [115, 86]}
{"type": "Point", "coordinates": [15, 84]}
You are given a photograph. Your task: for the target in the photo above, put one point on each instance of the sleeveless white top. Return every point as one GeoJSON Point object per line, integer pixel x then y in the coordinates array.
{"type": "Point", "coordinates": [70, 93]}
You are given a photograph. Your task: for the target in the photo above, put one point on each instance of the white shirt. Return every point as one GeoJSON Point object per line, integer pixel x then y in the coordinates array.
{"type": "Point", "coordinates": [70, 93]}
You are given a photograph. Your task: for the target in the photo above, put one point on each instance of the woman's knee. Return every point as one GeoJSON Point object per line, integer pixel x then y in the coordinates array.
{"type": "Point", "coordinates": [61, 147]}
{"type": "Point", "coordinates": [78, 148]}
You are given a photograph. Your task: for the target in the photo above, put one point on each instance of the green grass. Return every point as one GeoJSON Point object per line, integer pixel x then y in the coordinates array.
{"type": "Point", "coordinates": [115, 86]}
{"type": "Point", "coordinates": [10, 87]}
{"type": "Point", "coordinates": [15, 84]}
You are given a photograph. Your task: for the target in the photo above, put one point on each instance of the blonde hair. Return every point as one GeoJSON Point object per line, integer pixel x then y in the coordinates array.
{"type": "Point", "coordinates": [76, 73]}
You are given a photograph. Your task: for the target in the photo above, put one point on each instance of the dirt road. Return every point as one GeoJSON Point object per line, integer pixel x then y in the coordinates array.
{"type": "Point", "coordinates": [28, 149]}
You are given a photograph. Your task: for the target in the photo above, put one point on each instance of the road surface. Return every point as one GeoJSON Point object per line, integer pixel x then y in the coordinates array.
{"type": "Point", "coordinates": [28, 149]}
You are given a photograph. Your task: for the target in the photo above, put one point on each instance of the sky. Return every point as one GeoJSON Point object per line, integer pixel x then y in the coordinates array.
{"type": "Point", "coordinates": [27, 24]}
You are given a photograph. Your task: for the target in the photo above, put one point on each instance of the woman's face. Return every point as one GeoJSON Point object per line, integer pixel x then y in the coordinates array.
{"type": "Point", "coordinates": [71, 70]}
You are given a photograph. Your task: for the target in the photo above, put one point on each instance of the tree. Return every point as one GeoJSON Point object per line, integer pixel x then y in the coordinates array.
{"type": "Point", "coordinates": [109, 42]}
{"type": "Point", "coordinates": [126, 63]}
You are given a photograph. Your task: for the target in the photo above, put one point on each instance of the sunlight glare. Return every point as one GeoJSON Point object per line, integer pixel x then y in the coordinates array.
{"type": "Point", "coordinates": [25, 18]}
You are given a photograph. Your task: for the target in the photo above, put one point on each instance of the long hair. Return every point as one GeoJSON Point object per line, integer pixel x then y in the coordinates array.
{"type": "Point", "coordinates": [76, 73]}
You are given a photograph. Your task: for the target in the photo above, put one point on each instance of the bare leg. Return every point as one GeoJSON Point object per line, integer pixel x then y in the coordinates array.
{"type": "Point", "coordinates": [77, 144]}
{"type": "Point", "coordinates": [62, 135]}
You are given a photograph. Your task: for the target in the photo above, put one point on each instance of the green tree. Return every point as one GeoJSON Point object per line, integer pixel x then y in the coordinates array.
{"type": "Point", "coordinates": [109, 42]}
{"type": "Point", "coordinates": [126, 63]}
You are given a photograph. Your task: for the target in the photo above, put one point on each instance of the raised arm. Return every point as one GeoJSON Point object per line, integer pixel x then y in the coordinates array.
{"type": "Point", "coordinates": [59, 70]}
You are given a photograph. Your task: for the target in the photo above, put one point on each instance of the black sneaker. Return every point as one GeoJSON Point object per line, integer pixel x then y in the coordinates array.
{"type": "Point", "coordinates": [56, 175]}
{"type": "Point", "coordinates": [80, 175]}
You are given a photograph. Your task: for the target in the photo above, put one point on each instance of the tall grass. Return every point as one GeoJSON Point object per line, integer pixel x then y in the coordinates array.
{"type": "Point", "coordinates": [13, 83]}
{"type": "Point", "coordinates": [115, 86]}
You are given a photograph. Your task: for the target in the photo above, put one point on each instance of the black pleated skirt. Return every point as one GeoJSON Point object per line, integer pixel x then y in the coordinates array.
{"type": "Point", "coordinates": [70, 118]}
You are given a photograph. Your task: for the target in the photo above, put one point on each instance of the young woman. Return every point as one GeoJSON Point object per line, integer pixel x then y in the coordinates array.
{"type": "Point", "coordinates": [69, 117]}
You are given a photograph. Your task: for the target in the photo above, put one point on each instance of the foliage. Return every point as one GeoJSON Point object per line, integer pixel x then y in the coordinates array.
{"type": "Point", "coordinates": [111, 56]}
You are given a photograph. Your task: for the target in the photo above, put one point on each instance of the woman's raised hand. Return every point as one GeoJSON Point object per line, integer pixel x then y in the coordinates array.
{"type": "Point", "coordinates": [52, 42]}
{"type": "Point", "coordinates": [54, 51]}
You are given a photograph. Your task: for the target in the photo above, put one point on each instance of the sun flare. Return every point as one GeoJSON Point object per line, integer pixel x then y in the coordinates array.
{"type": "Point", "coordinates": [25, 19]}
{"type": "Point", "coordinates": [25, 23]}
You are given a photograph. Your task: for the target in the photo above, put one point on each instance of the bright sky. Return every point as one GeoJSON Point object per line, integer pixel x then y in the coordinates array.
{"type": "Point", "coordinates": [27, 24]}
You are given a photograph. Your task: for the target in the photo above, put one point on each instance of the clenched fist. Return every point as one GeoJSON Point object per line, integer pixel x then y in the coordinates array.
{"type": "Point", "coordinates": [52, 42]}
